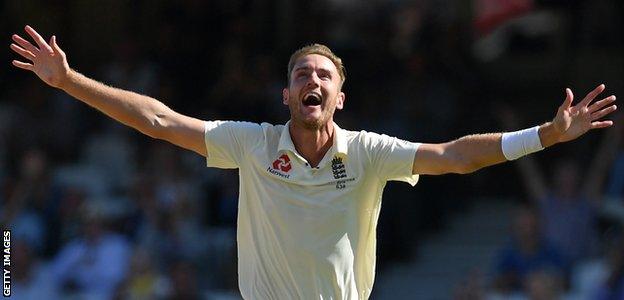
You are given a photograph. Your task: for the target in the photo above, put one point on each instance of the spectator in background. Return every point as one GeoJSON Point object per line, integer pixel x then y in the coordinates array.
{"type": "Point", "coordinates": [31, 277]}
{"type": "Point", "coordinates": [472, 287]}
{"type": "Point", "coordinates": [171, 182]}
{"type": "Point", "coordinates": [526, 255]}
{"type": "Point", "coordinates": [183, 283]}
{"type": "Point", "coordinates": [613, 287]}
{"type": "Point", "coordinates": [144, 281]}
{"type": "Point", "coordinates": [568, 215]}
{"type": "Point", "coordinates": [544, 285]}
{"type": "Point", "coordinates": [69, 215]}
{"type": "Point", "coordinates": [5, 129]}
{"type": "Point", "coordinates": [176, 198]}
{"type": "Point", "coordinates": [568, 205]}
{"type": "Point", "coordinates": [614, 194]}
{"type": "Point", "coordinates": [148, 223]}
{"type": "Point", "coordinates": [94, 264]}
{"type": "Point", "coordinates": [30, 202]}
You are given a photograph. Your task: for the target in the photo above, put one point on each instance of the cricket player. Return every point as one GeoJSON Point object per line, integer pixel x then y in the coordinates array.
{"type": "Point", "coordinates": [310, 191]}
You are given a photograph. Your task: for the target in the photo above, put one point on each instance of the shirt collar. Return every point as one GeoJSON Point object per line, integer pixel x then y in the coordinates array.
{"type": "Point", "coordinates": [339, 147]}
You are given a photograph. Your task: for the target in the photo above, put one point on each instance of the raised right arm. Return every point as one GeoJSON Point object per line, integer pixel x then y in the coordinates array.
{"type": "Point", "coordinates": [140, 112]}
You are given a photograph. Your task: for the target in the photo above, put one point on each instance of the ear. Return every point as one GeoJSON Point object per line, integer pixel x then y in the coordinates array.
{"type": "Point", "coordinates": [340, 100]}
{"type": "Point", "coordinates": [285, 95]}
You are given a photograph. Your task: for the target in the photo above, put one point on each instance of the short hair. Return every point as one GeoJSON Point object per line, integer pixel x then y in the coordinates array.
{"type": "Point", "coordinates": [320, 50]}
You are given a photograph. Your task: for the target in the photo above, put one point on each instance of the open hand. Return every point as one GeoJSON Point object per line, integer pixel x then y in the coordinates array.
{"type": "Point", "coordinates": [573, 121]}
{"type": "Point", "coordinates": [47, 60]}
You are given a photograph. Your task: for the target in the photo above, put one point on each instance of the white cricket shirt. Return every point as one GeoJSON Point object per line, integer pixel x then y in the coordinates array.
{"type": "Point", "coordinates": [303, 232]}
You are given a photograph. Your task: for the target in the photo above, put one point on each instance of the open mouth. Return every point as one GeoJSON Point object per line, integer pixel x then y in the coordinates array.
{"type": "Point", "coordinates": [312, 99]}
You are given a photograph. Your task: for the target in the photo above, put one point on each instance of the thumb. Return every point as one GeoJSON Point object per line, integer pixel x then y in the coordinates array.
{"type": "Point", "coordinates": [568, 100]}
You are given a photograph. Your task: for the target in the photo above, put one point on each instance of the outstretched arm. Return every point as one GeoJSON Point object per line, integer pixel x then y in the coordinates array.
{"type": "Point", "coordinates": [473, 152]}
{"type": "Point", "coordinates": [140, 112]}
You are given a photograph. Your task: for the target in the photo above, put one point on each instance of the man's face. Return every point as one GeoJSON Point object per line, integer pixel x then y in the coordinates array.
{"type": "Point", "coordinates": [314, 92]}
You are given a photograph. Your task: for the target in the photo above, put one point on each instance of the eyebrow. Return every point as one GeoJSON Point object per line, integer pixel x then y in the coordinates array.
{"type": "Point", "coordinates": [306, 68]}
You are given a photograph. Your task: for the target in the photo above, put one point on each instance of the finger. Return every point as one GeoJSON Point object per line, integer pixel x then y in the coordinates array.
{"type": "Point", "coordinates": [600, 104]}
{"type": "Point", "coordinates": [38, 39]}
{"type": "Point", "coordinates": [22, 65]}
{"type": "Point", "coordinates": [23, 52]}
{"type": "Point", "coordinates": [601, 124]}
{"type": "Point", "coordinates": [24, 43]}
{"type": "Point", "coordinates": [568, 100]}
{"type": "Point", "coordinates": [590, 97]}
{"type": "Point", "coordinates": [601, 113]}
{"type": "Point", "coordinates": [55, 46]}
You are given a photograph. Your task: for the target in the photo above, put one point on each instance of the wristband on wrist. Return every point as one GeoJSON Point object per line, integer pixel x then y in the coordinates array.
{"type": "Point", "coordinates": [520, 143]}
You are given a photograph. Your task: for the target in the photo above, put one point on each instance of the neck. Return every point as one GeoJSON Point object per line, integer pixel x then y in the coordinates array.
{"type": "Point", "coordinates": [312, 144]}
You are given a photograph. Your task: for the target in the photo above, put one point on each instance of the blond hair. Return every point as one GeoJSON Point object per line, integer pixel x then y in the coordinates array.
{"type": "Point", "coordinates": [320, 50]}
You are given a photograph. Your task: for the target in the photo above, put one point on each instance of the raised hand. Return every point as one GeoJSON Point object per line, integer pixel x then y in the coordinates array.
{"type": "Point", "coordinates": [47, 60]}
{"type": "Point", "coordinates": [573, 121]}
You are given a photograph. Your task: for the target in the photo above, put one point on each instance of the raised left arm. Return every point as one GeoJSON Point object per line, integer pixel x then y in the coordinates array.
{"type": "Point", "coordinates": [473, 152]}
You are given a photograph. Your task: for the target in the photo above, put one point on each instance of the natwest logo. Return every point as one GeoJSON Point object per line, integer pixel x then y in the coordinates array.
{"type": "Point", "coordinates": [282, 163]}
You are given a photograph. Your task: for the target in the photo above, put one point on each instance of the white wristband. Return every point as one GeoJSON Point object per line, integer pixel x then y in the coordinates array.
{"type": "Point", "coordinates": [520, 143]}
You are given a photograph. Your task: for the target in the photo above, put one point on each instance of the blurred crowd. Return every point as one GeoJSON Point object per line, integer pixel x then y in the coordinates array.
{"type": "Point", "coordinates": [100, 211]}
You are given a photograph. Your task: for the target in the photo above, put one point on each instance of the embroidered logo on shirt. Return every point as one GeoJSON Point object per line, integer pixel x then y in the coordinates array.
{"type": "Point", "coordinates": [338, 168]}
{"type": "Point", "coordinates": [282, 163]}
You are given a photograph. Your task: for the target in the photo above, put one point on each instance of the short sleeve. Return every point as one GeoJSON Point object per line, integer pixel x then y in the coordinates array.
{"type": "Point", "coordinates": [392, 158]}
{"type": "Point", "coordinates": [227, 142]}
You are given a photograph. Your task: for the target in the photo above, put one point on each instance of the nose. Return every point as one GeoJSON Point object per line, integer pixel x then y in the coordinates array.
{"type": "Point", "coordinates": [313, 80]}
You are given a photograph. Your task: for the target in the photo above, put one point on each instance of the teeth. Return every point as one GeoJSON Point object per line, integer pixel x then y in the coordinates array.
{"type": "Point", "coordinates": [312, 99]}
